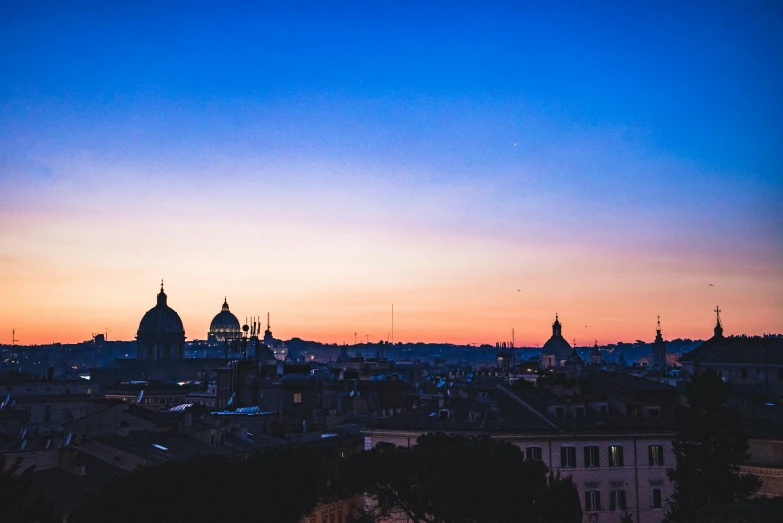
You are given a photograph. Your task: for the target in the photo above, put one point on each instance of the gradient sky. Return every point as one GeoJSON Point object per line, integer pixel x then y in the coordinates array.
{"type": "Point", "coordinates": [322, 161]}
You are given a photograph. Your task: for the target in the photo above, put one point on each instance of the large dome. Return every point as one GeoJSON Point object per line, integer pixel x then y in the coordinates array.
{"type": "Point", "coordinates": [224, 326]}
{"type": "Point", "coordinates": [161, 319]}
{"type": "Point", "coordinates": [161, 335]}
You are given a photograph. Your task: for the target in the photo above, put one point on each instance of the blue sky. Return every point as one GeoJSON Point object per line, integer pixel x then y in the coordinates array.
{"type": "Point", "coordinates": [631, 126]}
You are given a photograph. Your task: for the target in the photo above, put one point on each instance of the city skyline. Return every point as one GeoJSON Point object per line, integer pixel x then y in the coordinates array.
{"type": "Point", "coordinates": [481, 169]}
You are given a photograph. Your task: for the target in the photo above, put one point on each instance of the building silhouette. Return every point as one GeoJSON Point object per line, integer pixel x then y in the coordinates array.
{"type": "Point", "coordinates": [161, 336]}
{"type": "Point", "coordinates": [556, 350]}
{"type": "Point", "coordinates": [224, 326]}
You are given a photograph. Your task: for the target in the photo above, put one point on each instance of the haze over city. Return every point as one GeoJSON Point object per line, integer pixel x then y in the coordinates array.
{"type": "Point", "coordinates": [479, 168]}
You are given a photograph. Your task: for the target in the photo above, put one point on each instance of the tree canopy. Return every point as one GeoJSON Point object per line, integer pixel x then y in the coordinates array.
{"type": "Point", "coordinates": [709, 447]}
{"type": "Point", "coordinates": [457, 479]}
{"type": "Point", "coordinates": [279, 486]}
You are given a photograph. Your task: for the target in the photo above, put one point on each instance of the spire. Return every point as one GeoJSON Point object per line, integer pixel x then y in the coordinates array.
{"type": "Point", "coordinates": [267, 321]}
{"type": "Point", "coordinates": [556, 327]}
{"type": "Point", "coordinates": [718, 327]}
{"type": "Point", "coordinates": [225, 304]}
{"type": "Point", "coordinates": [161, 295]}
{"type": "Point", "coordinates": [658, 337]}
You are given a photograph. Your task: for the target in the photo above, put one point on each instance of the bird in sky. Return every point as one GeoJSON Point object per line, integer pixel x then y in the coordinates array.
{"type": "Point", "coordinates": [711, 285]}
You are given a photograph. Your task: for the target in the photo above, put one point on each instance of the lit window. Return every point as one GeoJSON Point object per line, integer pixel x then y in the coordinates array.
{"type": "Point", "coordinates": [297, 397]}
{"type": "Point", "coordinates": [616, 456]}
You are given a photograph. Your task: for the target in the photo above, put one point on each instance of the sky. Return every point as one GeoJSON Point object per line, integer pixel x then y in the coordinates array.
{"type": "Point", "coordinates": [481, 166]}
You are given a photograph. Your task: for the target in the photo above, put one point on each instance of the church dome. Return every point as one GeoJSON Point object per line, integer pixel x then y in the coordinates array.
{"type": "Point", "coordinates": [224, 325]}
{"type": "Point", "coordinates": [556, 346]}
{"type": "Point", "coordinates": [161, 335]}
{"type": "Point", "coordinates": [160, 320]}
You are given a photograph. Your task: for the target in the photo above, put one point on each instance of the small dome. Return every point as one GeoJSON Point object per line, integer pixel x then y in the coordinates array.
{"type": "Point", "coordinates": [343, 357]}
{"type": "Point", "coordinates": [161, 319]}
{"type": "Point", "coordinates": [224, 325]}
{"type": "Point", "coordinates": [557, 346]}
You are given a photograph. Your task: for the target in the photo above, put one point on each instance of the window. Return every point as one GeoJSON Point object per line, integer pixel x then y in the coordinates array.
{"type": "Point", "coordinates": [653, 412]}
{"type": "Point", "coordinates": [568, 457]}
{"type": "Point", "coordinates": [560, 412]}
{"type": "Point", "coordinates": [579, 411]}
{"type": "Point", "coordinates": [617, 500]}
{"type": "Point", "coordinates": [604, 409]}
{"type": "Point", "coordinates": [592, 457]}
{"type": "Point", "coordinates": [780, 374]}
{"type": "Point", "coordinates": [655, 453]}
{"type": "Point", "coordinates": [592, 500]}
{"type": "Point", "coordinates": [211, 439]}
{"type": "Point", "coordinates": [297, 397]}
{"type": "Point", "coordinates": [743, 373]}
{"type": "Point", "coordinates": [616, 456]}
{"type": "Point", "coordinates": [533, 453]}
{"type": "Point", "coordinates": [48, 414]}
{"type": "Point", "coordinates": [657, 498]}
{"type": "Point", "coordinates": [761, 375]}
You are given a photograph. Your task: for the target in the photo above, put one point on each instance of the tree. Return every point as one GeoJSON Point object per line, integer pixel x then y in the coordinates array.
{"type": "Point", "coordinates": [17, 502]}
{"type": "Point", "coordinates": [458, 479]}
{"type": "Point", "coordinates": [709, 448]}
{"type": "Point", "coordinates": [280, 486]}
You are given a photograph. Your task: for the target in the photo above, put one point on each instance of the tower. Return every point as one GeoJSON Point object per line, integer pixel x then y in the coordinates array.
{"type": "Point", "coordinates": [268, 338]}
{"type": "Point", "coordinates": [659, 348]}
{"type": "Point", "coordinates": [718, 331]}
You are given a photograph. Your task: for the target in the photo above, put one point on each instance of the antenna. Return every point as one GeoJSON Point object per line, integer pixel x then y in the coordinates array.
{"type": "Point", "coordinates": [392, 332]}
{"type": "Point", "coordinates": [267, 322]}
{"type": "Point", "coordinates": [512, 337]}
{"type": "Point", "coordinates": [13, 337]}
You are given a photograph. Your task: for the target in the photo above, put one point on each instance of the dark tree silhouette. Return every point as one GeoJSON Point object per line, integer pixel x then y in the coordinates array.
{"type": "Point", "coordinates": [17, 502]}
{"type": "Point", "coordinates": [709, 447]}
{"type": "Point", "coordinates": [462, 480]}
{"type": "Point", "coordinates": [280, 485]}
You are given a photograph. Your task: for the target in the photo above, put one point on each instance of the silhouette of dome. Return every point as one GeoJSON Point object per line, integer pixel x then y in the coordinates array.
{"type": "Point", "coordinates": [224, 325]}
{"type": "Point", "coordinates": [344, 357]}
{"type": "Point", "coordinates": [161, 335]}
{"type": "Point", "coordinates": [161, 319]}
{"type": "Point", "coordinates": [556, 348]}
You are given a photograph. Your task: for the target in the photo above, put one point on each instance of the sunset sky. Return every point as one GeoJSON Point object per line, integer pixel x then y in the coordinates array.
{"type": "Point", "coordinates": [478, 165]}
